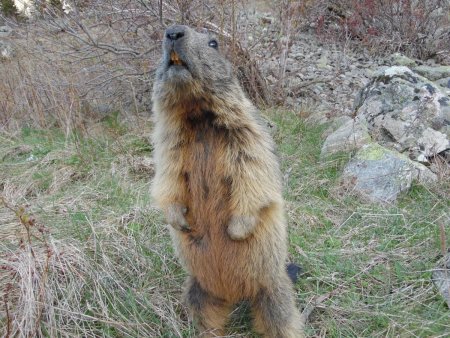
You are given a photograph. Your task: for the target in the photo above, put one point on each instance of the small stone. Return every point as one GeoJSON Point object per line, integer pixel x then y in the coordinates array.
{"type": "Point", "coordinates": [433, 72]}
{"type": "Point", "coordinates": [398, 59]}
{"type": "Point", "coordinates": [350, 136]}
{"type": "Point", "coordinates": [6, 50]}
{"type": "Point", "coordinates": [441, 279]}
{"type": "Point", "coordinates": [433, 142]}
{"type": "Point", "coordinates": [323, 62]}
{"type": "Point", "coordinates": [5, 31]}
{"type": "Point", "coordinates": [421, 158]}
{"type": "Point", "coordinates": [445, 82]}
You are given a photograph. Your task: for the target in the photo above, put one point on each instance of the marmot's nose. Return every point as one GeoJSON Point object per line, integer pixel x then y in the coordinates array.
{"type": "Point", "coordinates": [175, 32]}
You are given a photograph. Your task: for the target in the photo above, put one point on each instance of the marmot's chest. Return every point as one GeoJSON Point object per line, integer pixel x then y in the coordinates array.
{"type": "Point", "coordinates": [206, 183]}
{"type": "Point", "coordinates": [204, 166]}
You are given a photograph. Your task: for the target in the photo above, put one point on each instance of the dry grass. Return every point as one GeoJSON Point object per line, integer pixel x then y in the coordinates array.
{"type": "Point", "coordinates": [73, 262]}
{"type": "Point", "coordinates": [64, 289]}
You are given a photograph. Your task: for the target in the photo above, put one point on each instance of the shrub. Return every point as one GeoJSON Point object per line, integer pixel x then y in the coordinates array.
{"type": "Point", "coordinates": [8, 7]}
{"type": "Point", "coordinates": [102, 56]}
{"type": "Point", "coordinates": [417, 28]}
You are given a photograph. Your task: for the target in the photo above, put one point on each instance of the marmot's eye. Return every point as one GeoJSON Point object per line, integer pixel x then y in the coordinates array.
{"type": "Point", "coordinates": [213, 43]}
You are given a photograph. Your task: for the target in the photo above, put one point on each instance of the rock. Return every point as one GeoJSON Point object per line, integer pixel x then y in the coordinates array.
{"type": "Point", "coordinates": [335, 124]}
{"type": "Point", "coordinates": [323, 62]}
{"type": "Point", "coordinates": [350, 136]}
{"type": "Point", "coordinates": [441, 279]}
{"type": "Point", "coordinates": [380, 175]}
{"type": "Point", "coordinates": [433, 73]}
{"type": "Point", "coordinates": [433, 142]}
{"type": "Point", "coordinates": [405, 112]}
{"type": "Point", "coordinates": [266, 20]}
{"type": "Point", "coordinates": [5, 31]}
{"type": "Point", "coordinates": [445, 82]}
{"type": "Point", "coordinates": [319, 117]}
{"type": "Point", "coordinates": [398, 59]}
{"type": "Point", "coordinates": [6, 50]}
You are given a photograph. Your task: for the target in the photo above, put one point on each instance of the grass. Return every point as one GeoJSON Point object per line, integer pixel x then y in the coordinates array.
{"type": "Point", "coordinates": [85, 253]}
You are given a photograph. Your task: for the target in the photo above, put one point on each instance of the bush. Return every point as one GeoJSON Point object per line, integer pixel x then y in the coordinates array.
{"type": "Point", "coordinates": [8, 7]}
{"type": "Point", "coordinates": [416, 28]}
{"type": "Point", "coordinates": [101, 56]}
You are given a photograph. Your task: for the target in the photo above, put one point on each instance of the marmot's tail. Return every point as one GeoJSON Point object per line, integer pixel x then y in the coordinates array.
{"type": "Point", "coordinates": [294, 271]}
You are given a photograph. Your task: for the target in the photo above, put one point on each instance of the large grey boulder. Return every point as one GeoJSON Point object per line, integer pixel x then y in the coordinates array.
{"type": "Point", "coordinates": [379, 175]}
{"type": "Point", "coordinates": [406, 112]}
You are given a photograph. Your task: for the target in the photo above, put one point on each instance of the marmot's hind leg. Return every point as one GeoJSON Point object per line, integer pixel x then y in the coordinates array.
{"type": "Point", "coordinates": [275, 313]}
{"type": "Point", "coordinates": [210, 313]}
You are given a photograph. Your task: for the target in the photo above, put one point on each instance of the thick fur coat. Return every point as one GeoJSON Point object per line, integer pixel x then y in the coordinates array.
{"type": "Point", "coordinates": [218, 182]}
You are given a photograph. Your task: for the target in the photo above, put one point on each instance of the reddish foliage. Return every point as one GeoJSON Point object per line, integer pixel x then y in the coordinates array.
{"type": "Point", "coordinates": [417, 28]}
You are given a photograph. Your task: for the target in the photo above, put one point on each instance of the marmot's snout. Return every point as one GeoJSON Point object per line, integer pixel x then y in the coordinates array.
{"type": "Point", "coordinates": [175, 32]}
{"type": "Point", "coordinates": [174, 37]}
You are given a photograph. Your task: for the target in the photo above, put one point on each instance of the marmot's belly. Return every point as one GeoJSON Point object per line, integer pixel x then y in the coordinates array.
{"type": "Point", "coordinates": [223, 267]}
{"type": "Point", "coordinates": [227, 269]}
{"type": "Point", "coordinates": [207, 190]}
{"type": "Point", "coordinates": [212, 256]}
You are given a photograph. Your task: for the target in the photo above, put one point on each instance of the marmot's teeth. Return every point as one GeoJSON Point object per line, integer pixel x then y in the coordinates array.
{"type": "Point", "coordinates": [175, 58]}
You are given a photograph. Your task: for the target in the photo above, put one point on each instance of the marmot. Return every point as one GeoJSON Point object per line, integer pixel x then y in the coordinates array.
{"type": "Point", "coordinates": [218, 182]}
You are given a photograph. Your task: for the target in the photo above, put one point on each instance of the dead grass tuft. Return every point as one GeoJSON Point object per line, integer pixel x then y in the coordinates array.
{"type": "Point", "coordinates": [70, 288]}
{"type": "Point", "coordinates": [82, 253]}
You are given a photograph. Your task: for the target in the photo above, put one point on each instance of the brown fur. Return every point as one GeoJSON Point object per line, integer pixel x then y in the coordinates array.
{"type": "Point", "coordinates": [218, 182]}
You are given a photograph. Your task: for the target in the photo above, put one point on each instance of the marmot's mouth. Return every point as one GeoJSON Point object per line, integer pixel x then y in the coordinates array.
{"type": "Point", "coordinates": [175, 60]}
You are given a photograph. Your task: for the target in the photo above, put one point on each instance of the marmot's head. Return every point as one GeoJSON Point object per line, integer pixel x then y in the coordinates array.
{"type": "Point", "coordinates": [192, 66]}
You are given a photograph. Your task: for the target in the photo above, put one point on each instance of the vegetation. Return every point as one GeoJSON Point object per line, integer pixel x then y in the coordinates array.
{"type": "Point", "coordinates": [86, 254]}
{"type": "Point", "coordinates": [415, 28]}
{"type": "Point", "coordinates": [8, 8]}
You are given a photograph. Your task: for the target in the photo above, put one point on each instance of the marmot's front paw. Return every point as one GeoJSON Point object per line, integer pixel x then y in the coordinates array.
{"type": "Point", "coordinates": [175, 217]}
{"type": "Point", "coordinates": [240, 227]}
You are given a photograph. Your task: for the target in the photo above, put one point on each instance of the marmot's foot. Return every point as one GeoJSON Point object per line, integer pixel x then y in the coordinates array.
{"type": "Point", "coordinates": [240, 227]}
{"type": "Point", "coordinates": [175, 217]}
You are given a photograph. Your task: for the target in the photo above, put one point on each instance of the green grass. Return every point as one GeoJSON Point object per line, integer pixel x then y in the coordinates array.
{"type": "Point", "coordinates": [377, 260]}
{"type": "Point", "coordinates": [113, 271]}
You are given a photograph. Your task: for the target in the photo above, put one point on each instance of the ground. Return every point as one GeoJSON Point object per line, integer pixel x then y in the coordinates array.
{"type": "Point", "coordinates": [78, 224]}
